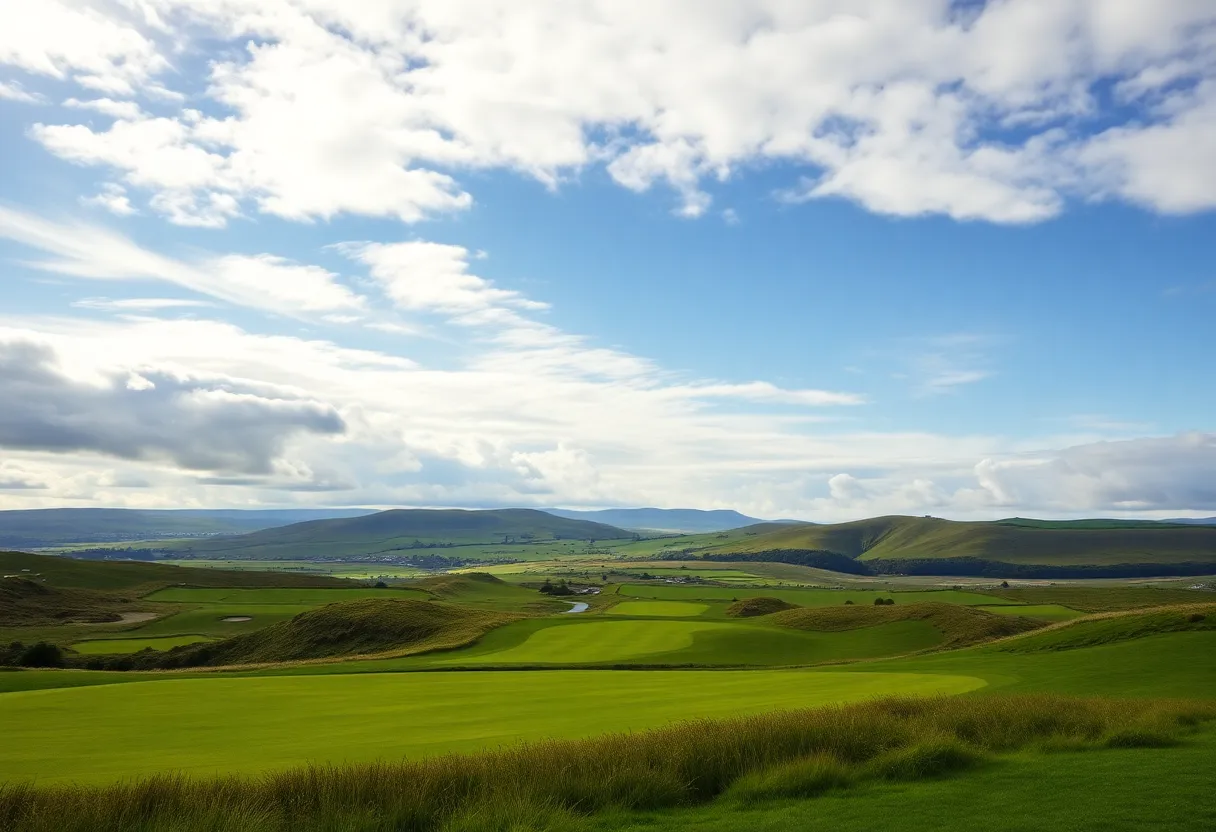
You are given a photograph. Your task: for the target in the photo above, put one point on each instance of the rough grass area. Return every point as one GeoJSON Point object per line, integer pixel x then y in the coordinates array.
{"type": "Point", "coordinates": [1102, 598]}
{"type": "Point", "coordinates": [554, 785]}
{"type": "Point", "coordinates": [28, 603]}
{"type": "Point", "coordinates": [1115, 627]}
{"type": "Point", "coordinates": [763, 605]}
{"type": "Point", "coordinates": [960, 626]}
{"type": "Point", "coordinates": [369, 626]}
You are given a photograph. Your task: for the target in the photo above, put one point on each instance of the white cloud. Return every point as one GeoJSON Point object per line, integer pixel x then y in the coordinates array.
{"type": "Point", "coordinates": [96, 44]}
{"type": "Point", "coordinates": [138, 304]}
{"type": "Point", "coordinates": [907, 107]}
{"type": "Point", "coordinates": [424, 276]}
{"type": "Point", "coordinates": [127, 110]}
{"type": "Point", "coordinates": [261, 281]}
{"type": "Point", "coordinates": [112, 198]}
{"type": "Point", "coordinates": [12, 91]}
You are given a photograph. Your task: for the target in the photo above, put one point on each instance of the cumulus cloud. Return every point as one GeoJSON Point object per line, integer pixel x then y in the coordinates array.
{"type": "Point", "coordinates": [112, 198]}
{"type": "Point", "coordinates": [994, 111]}
{"type": "Point", "coordinates": [194, 423]}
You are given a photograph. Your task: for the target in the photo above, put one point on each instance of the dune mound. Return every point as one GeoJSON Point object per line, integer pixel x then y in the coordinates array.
{"type": "Point", "coordinates": [750, 607]}
{"type": "Point", "coordinates": [960, 626]}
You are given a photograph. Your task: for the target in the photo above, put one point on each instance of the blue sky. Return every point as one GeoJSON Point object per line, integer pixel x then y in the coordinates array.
{"type": "Point", "coordinates": [820, 260]}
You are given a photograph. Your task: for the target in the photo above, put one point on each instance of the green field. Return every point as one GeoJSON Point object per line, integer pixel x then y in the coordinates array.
{"type": "Point", "coordinates": [673, 609]}
{"type": "Point", "coordinates": [802, 597]}
{"type": "Point", "coordinates": [108, 646]}
{"type": "Point", "coordinates": [1046, 612]}
{"type": "Point", "coordinates": [209, 725]}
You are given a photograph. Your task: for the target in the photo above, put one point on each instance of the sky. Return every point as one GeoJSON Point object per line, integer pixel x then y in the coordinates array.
{"type": "Point", "coordinates": [811, 259]}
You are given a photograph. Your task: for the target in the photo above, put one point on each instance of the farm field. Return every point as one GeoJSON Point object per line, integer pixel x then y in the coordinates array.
{"type": "Point", "coordinates": [208, 725]}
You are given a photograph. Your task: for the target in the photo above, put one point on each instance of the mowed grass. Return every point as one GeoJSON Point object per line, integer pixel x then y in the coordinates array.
{"type": "Point", "coordinates": [1043, 612]}
{"type": "Point", "coordinates": [208, 620]}
{"type": "Point", "coordinates": [209, 725]}
{"type": "Point", "coordinates": [671, 609]}
{"type": "Point", "coordinates": [681, 643]}
{"type": "Point", "coordinates": [278, 595]}
{"type": "Point", "coordinates": [802, 597]}
{"type": "Point", "coordinates": [111, 646]}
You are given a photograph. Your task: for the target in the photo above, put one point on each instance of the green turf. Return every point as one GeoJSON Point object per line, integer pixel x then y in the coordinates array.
{"type": "Point", "coordinates": [1132, 790]}
{"type": "Point", "coordinates": [659, 642]}
{"type": "Point", "coordinates": [111, 646]}
{"type": "Point", "coordinates": [1044, 612]}
{"type": "Point", "coordinates": [802, 597]}
{"type": "Point", "coordinates": [208, 620]}
{"type": "Point", "coordinates": [278, 595]}
{"type": "Point", "coordinates": [257, 723]}
{"type": "Point", "coordinates": [1172, 664]}
{"type": "Point", "coordinates": [672, 609]}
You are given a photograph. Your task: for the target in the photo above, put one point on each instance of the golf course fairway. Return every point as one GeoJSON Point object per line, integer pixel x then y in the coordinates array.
{"type": "Point", "coordinates": [249, 724]}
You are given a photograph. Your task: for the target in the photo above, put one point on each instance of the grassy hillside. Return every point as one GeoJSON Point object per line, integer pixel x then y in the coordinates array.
{"type": "Point", "coordinates": [903, 540]}
{"type": "Point", "coordinates": [960, 626]}
{"type": "Point", "coordinates": [397, 531]}
{"type": "Point", "coordinates": [127, 575]}
{"type": "Point", "coordinates": [27, 603]}
{"type": "Point", "coordinates": [1116, 627]}
{"type": "Point", "coordinates": [57, 526]}
{"type": "Point", "coordinates": [347, 628]}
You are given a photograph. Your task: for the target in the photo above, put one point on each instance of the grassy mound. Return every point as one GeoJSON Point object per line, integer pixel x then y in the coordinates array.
{"type": "Point", "coordinates": [549, 785]}
{"type": "Point", "coordinates": [27, 603]}
{"type": "Point", "coordinates": [469, 583]}
{"type": "Point", "coordinates": [1114, 627]}
{"type": "Point", "coordinates": [349, 628]}
{"type": "Point", "coordinates": [764, 605]}
{"type": "Point", "coordinates": [960, 626]}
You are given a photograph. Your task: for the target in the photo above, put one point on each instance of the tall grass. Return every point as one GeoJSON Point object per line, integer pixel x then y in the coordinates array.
{"type": "Point", "coordinates": [550, 785]}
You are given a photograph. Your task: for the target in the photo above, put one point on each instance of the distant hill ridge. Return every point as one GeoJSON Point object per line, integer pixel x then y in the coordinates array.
{"type": "Point", "coordinates": [397, 530]}
{"type": "Point", "coordinates": [684, 520]}
{"type": "Point", "coordinates": [1018, 548]}
{"type": "Point", "coordinates": [44, 527]}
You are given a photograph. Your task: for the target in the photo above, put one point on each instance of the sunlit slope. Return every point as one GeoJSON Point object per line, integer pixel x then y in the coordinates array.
{"type": "Point", "coordinates": [397, 530]}
{"type": "Point", "coordinates": [918, 538]}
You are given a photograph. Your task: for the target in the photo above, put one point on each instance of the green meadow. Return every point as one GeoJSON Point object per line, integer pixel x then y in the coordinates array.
{"type": "Point", "coordinates": [245, 687]}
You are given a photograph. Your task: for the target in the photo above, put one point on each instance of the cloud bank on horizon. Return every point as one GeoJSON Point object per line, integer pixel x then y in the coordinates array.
{"type": "Point", "coordinates": [384, 370]}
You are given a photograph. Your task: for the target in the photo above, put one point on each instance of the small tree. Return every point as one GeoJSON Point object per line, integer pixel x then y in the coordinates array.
{"type": "Point", "coordinates": [1004, 584]}
{"type": "Point", "coordinates": [848, 603]}
{"type": "Point", "coordinates": [878, 602]}
{"type": "Point", "coordinates": [381, 585]}
{"type": "Point", "coordinates": [42, 654]}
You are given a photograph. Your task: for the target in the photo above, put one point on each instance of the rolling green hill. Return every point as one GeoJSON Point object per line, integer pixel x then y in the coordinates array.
{"type": "Point", "coordinates": [27, 603]}
{"type": "Point", "coordinates": [127, 575]}
{"type": "Point", "coordinates": [928, 545]}
{"type": "Point", "coordinates": [347, 628]}
{"type": "Point", "coordinates": [33, 528]}
{"type": "Point", "coordinates": [399, 530]}
{"type": "Point", "coordinates": [960, 626]}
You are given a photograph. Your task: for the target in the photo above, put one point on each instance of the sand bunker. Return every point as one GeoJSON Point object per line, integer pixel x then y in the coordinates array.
{"type": "Point", "coordinates": [236, 619]}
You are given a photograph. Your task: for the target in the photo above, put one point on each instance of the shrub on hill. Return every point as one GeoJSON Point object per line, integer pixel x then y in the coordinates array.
{"type": "Point", "coordinates": [960, 626]}
{"type": "Point", "coordinates": [750, 607]}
